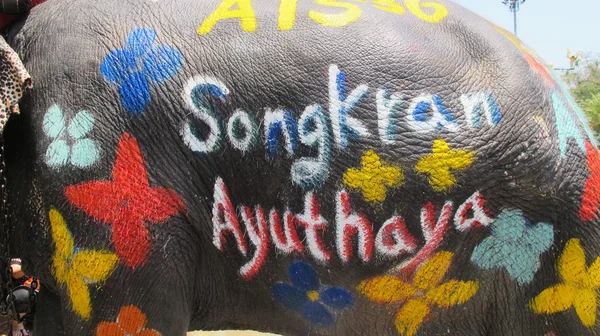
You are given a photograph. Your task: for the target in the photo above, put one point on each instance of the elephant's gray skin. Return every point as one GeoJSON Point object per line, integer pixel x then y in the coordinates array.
{"type": "Point", "coordinates": [376, 82]}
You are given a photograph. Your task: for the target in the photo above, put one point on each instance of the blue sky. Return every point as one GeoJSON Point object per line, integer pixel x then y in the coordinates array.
{"type": "Point", "coordinates": [548, 26]}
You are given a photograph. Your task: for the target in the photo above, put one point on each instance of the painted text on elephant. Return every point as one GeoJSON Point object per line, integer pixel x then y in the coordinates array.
{"type": "Point", "coordinates": [392, 240]}
{"type": "Point", "coordinates": [346, 12]}
{"type": "Point", "coordinates": [426, 113]}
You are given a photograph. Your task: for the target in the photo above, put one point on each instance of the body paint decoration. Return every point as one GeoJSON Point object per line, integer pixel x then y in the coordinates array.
{"type": "Point", "coordinates": [306, 295]}
{"type": "Point", "coordinates": [276, 122]}
{"type": "Point", "coordinates": [515, 245]}
{"type": "Point", "coordinates": [341, 103]}
{"type": "Point", "coordinates": [552, 80]}
{"type": "Point", "coordinates": [428, 114]}
{"type": "Point", "coordinates": [578, 287]}
{"type": "Point", "coordinates": [389, 106]}
{"type": "Point", "coordinates": [393, 239]}
{"type": "Point", "coordinates": [130, 322]}
{"type": "Point", "coordinates": [70, 144]}
{"type": "Point", "coordinates": [591, 191]}
{"type": "Point", "coordinates": [318, 130]}
{"type": "Point", "coordinates": [195, 95]}
{"type": "Point", "coordinates": [311, 172]}
{"type": "Point", "coordinates": [373, 177]}
{"type": "Point", "coordinates": [345, 13]}
{"type": "Point", "coordinates": [565, 126]}
{"type": "Point", "coordinates": [349, 223]}
{"type": "Point", "coordinates": [479, 214]}
{"type": "Point", "coordinates": [433, 232]}
{"type": "Point", "coordinates": [579, 113]}
{"type": "Point", "coordinates": [127, 202]}
{"type": "Point", "coordinates": [477, 105]}
{"type": "Point", "coordinates": [439, 164]}
{"type": "Point", "coordinates": [138, 65]}
{"type": "Point", "coordinates": [77, 268]}
{"type": "Point", "coordinates": [314, 228]}
{"type": "Point", "coordinates": [425, 292]}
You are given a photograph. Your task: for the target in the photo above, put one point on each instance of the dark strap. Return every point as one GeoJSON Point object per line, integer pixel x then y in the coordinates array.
{"type": "Point", "coordinates": [14, 6]}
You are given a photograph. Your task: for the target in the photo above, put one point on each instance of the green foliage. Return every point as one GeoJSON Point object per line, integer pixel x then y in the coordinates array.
{"type": "Point", "coordinates": [585, 87]}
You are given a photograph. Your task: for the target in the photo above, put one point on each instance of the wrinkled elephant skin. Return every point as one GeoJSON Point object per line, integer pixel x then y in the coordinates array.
{"type": "Point", "coordinates": [298, 167]}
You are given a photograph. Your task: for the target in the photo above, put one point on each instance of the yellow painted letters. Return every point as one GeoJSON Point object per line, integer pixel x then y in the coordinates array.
{"type": "Point", "coordinates": [388, 6]}
{"type": "Point", "coordinates": [244, 12]}
{"type": "Point", "coordinates": [439, 11]}
{"type": "Point", "coordinates": [287, 14]}
{"type": "Point", "coordinates": [351, 14]}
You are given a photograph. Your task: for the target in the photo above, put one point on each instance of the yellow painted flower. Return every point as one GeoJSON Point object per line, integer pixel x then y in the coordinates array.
{"type": "Point", "coordinates": [422, 295]}
{"type": "Point", "coordinates": [578, 288]}
{"type": "Point", "coordinates": [441, 164]}
{"type": "Point", "coordinates": [374, 177]}
{"type": "Point", "coordinates": [77, 268]}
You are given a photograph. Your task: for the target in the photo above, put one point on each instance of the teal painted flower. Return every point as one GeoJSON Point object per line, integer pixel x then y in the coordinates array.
{"type": "Point", "coordinates": [515, 244]}
{"type": "Point", "coordinates": [70, 145]}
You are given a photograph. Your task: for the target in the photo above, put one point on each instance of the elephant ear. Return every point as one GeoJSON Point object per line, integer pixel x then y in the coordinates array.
{"type": "Point", "coordinates": [94, 266]}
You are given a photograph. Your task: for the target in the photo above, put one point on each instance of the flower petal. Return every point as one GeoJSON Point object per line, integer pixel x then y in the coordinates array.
{"type": "Point", "coordinates": [386, 289]}
{"type": "Point", "coordinates": [592, 280]}
{"type": "Point", "coordinates": [57, 153]}
{"type": "Point", "coordinates": [140, 41]}
{"type": "Point", "coordinates": [132, 319]}
{"type": "Point", "coordinates": [109, 329]}
{"type": "Point", "coordinates": [410, 317]}
{"type": "Point", "coordinates": [135, 93]}
{"type": "Point", "coordinates": [554, 299]}
{"type": "Point", "coordinates": [60, 234]}
{"type": "Point", "coordinates": [317, 314]}
{"type": "Point", "coordinates": [289, 296]}
{"type": "Point", "coordinates": [94, 265]}
{"type": "Point", "coordinates": [522, 264]}
{"type": "Point", "coordinates": [452, 293]}
{"type": "Point", "coordinates": [337, 297]}
{"type": "Point", "coordinates": [162, 63]}
{"type": "Point", "coordinates": [571, 263]}
{"type": "Point", "coordinates": [304, 276]}
{"type": "Point", "coordinates": [81, 124]}
{"type": "Point", "coordinates": [54, 122]}
{"type": "Point", "coordinates": [433, 270]}
{"type": "Point", "coordinates": [585, 306]}
{"type": "Point", "coordinates": [117, 65]}
{"type": "Point", "coordinates": [80, 295]}
{"type": "Point", "coordinates": [60, 269]}
{"type": "Point", "coordinates": [509, 225]}
{"type": "Point", "coordinates": [540, 237]}
{"type": "Point", "coordinates": [84, 153]}
{"type": "Point", "coordinates": [488, 254]}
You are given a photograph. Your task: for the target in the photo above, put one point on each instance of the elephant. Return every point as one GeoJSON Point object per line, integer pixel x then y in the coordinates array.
{"type": "Point", "coordinates": [298, 167]}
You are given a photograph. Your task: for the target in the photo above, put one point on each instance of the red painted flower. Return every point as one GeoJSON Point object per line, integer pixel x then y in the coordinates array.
{"type": "Point", "coordinates": [591, 191]}
{"type": "Point", "coordinates": [127, 202]}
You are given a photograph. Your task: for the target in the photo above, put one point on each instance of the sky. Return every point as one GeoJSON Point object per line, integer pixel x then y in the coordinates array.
{"type": "Point", "coordinates": [548, 26]}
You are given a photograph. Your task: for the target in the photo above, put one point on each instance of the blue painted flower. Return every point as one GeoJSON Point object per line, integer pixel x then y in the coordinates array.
{"type": "Point", "coordinates": [139, 64]}
{"type": "Point", "coordinates": [515, 244]}
{"type": "Point", "coordinates": [308, 296]}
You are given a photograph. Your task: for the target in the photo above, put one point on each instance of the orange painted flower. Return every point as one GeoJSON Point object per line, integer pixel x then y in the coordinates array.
{"type": "Point", "coordinates": [426, 292]}
{"type": "Point", "coordinates": [131, 322]}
